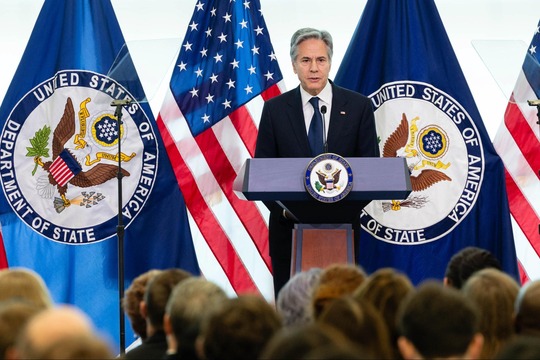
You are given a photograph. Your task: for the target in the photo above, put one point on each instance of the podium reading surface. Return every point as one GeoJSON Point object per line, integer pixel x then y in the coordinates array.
{"type": "Point", "coordinates": [324, 234]}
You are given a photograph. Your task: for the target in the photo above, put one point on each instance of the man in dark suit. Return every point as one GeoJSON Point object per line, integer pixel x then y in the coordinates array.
{"type": "Point", "coordinates": [349, 131]}
{"type": "Point", "coordinates": [153, 306]}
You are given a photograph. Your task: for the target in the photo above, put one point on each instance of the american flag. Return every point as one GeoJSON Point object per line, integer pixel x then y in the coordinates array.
{"type": "Point", "coordinates": [209, 121]}
{"type": "Point", "coordinates": [517, 142]}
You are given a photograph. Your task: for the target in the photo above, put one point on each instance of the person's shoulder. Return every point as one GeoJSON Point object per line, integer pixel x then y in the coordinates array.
{"type": "Point", "coordinates": [284, 97]}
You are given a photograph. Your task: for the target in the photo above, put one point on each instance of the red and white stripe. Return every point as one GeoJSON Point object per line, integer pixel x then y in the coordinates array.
{"type": "Point", "coordinates": [60, 171]}
{"type": "Point", "coordinates": [517, 143]}
{"type": "Point", "coordinates": [230, 235]}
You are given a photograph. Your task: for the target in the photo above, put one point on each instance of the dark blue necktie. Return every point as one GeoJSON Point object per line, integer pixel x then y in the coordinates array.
{"type": "Point", "coordinates": [315, 133]}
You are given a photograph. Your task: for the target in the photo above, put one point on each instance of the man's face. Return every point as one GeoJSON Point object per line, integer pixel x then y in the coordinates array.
{"type": "Point", "coordinates": [312, 65]}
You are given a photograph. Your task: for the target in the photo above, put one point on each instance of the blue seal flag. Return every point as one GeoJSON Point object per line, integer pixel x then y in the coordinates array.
{"type": "Point", "coordinates": [60, 151]}
{"type": "Point", "coordinates": [401, 57]}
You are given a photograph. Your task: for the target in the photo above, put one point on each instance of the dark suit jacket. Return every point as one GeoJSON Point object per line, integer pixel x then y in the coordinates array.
{"type": "Point", "coordinates": [282, 133]}
{"type": "Point", "coordinates": [154, 347]}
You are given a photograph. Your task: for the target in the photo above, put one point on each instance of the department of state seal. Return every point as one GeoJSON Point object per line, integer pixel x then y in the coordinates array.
{"type": "Point", "coordinates": [59, 154]}
{"type": "Point", "coordinates": [328, 178]}
{"type": "Point", "coordinates": [445, 158]}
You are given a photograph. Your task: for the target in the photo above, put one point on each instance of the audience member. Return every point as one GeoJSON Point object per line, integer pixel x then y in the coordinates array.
{"type": "Point", "coordinates": [294, 300]}
{"type": "Point", "coordinates": [62, 323]}
{"type": "Point", "coordinates": [361, 323]}
{"type": "Point", "coordinates": [386, 289]}
{"type": "Point", "coordinates": [336, 280]}
{"type": "Point", "coordinates": [520, 348]}
{"type": "Point", "coordinates": [494, 293]}
{"type": "Point", "coordinates": [14, 314]}
{"type": "Point", "coordinates": [90, 347]}
{"type": "Point", "coordinates": [131, 302]}
{"type": "Point", "coordinates": [333, 352]}
{"type": "Point", "coordinates": [527, 310]}
{"type": "Point", "coordinates": [466, 262]}
{"type": "Point", "coordinates": [24, 284]}
{"type": "Point", "coordinates": [239, 329]}
{"type": "Point", "coordinates": [297, 341]}
{"type": "Point", "coordinates": [153, 305]}
{"type": "Point", "coordinates": [438, 322]}
{"type": "Point", "coordinates": [190, 302]}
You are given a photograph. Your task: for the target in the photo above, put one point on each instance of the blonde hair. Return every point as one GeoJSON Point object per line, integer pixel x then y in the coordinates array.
{"type": "Point", "coordinates": [26, 285]}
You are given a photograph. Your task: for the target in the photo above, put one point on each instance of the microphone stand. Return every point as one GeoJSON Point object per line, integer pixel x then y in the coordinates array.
{"type": "Point", "coordinates": [323, 111]}
{"type": "Point", "coordinates": [537, 104]}
{"type": "Point", "coordinates": [120, 227]}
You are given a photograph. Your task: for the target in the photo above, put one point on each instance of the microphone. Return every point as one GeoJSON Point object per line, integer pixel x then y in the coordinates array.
{"type": "Point", "coordinates": [323, 111]}
{"type": "Point", "coordinates": [121, 102]}
{"type": "Point", "coordinates": [533, 102]}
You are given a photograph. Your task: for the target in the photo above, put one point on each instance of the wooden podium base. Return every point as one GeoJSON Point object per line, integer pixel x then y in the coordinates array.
{"type": "Point", "coordinates": [320, 245]}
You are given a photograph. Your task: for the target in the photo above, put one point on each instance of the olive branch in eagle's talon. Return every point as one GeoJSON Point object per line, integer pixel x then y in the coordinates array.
{"type": "Point", "coordinates": [39, 146]}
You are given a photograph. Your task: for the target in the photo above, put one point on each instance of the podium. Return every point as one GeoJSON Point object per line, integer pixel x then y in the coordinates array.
{"type": "Point", "coordinates": [323, 234]}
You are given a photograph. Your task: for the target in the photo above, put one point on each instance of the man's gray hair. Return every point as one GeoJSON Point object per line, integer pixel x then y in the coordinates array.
{"type": "Point", "coordinates": [309, 33]}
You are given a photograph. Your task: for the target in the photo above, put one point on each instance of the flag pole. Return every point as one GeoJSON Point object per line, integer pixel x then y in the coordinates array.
{"type": "Point", "coordinates": [120, 227]}
{"type": "Point", "coordinates": [537, 104]}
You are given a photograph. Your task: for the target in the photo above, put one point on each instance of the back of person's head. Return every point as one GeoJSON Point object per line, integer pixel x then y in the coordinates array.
{"type": "Point", "coordinates": [527, 309]}
{"type": "Point", "coordinates": [296, 341]}
{"type": "Point", "coordinates": [438, 322]}
{"type": "Point", "coordinates": [294, 299]}
{"type": "Point", "coordinates": [361, 323]}
{"type": "Point", "coordinates": [191, 301]}
{"type": "Point", "coordinates": [240, 329]}
{"type": "Point", "coordinates": [157, 294]}
{"type": "Point", "coordinates": [22, 283]}
{"type": "Point", "coordinates": [386, 289]}
{"type": "Point", "coordinates": [494, 293]}
{"type": "Point", "coordinates": [521, 347]}
{"type": "Point", "coordinates": [83, 347]}
{"type": "Point", "coordinates": [49, 326]}
{"type": "Point", "coordinates": [332, 352]}
{"type": "Point", "coordinates": [466, 262]}
{"type": "Point", "coordinates": [14, 314]}
{"type": "Point", "coordinates": [336, 281]}
{"type": "Point", "coordinates": [132, 300]}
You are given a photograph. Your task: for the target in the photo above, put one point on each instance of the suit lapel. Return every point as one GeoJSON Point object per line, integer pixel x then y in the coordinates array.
{"type": "Point", "coordinates": [337, 116]}
{"type": "Point", "coordinates": [295, 115]}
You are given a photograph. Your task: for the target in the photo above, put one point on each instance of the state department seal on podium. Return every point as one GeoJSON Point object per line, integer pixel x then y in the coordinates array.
{"type": "Point", "coordinates": [328, 178]}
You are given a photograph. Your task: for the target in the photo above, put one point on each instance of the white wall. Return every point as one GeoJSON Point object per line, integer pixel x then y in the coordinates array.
{"type": "Point", "coordinates": [492, 32]}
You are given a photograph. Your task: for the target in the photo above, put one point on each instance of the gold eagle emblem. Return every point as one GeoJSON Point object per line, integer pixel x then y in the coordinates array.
{"type": "Point", "coordinates": [96, 175]}
{"type": "Point", "coordinates": [398, 142]}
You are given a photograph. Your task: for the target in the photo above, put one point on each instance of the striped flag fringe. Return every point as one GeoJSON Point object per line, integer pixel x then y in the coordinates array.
{"type": "Point", "coordinates": [225, 71]}
{"type": "Point", "coordinates": [517, 142]}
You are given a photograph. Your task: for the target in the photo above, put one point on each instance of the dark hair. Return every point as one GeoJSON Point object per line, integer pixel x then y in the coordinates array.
{"type": "Point", "coordinates": [439, 321]}
{"type": "Point", "coordinates": [131, 302]}
{"type": "Point", "coordinates": [466, 262]}
{"type": "Point", "coordinates": [527, 309]}
{"type": "Point", "coordinates": [158, 291]}
{"type": "Point", "coordinates": [495, 293]}
{"type": "Point", "coordinates": [240, 329]}
{"type": "Point", "coordinates": [361, 323]}
{"type": "Point", "coordinates": [520, 348]}
{"type": "Point", "coordinates": [295, 342]}
{"type": "Point", "coordinates": [386, 289]}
